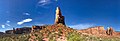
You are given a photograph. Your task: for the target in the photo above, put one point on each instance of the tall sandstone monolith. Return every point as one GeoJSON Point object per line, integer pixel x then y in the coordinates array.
{"type": "Point", "coordinates": [59, 18]}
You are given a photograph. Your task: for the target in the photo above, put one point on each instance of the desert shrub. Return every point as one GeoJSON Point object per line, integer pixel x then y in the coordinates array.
{"type": "Point", "coordinates": [73, 36]}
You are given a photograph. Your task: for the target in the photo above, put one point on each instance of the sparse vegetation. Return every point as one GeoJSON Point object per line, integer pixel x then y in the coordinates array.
{"type": "Point", "coordinates": [54, 32]}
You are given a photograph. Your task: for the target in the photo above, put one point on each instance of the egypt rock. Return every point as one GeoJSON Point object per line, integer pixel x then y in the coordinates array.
{"type": "Point", "coordinates": [59, 18]}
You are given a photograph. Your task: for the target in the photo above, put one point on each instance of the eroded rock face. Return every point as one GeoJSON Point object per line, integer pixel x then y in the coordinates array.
{"type": "Point", "coordinates": [110, 31]}
{"type": "Point", "coordinates": [59, 18]}
{"type": "Point", "coordinates": [34, 28]}
{"type": "Point", "coordinates": [9, 32]}
{"type": "Point", "coordinates": [22, 30]}
{"type": "Point", "coordinates": [94, 30]}
{"type": "Point", "coordinates": [100, 32]}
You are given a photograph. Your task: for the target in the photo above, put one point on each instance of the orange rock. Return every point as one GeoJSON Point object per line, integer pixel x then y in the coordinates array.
{"type": "Point", "coordinates": [94, 30]}
{"type": "Point", "coordinates": [110, 31]}
{"type": "Point", "coordinates": [59, 18]}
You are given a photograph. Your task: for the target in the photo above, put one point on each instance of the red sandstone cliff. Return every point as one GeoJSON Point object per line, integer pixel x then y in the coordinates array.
{"type": "Point", "coordinates": [94, 30]}
{"type": "Point", "coordinates": [100, 31]}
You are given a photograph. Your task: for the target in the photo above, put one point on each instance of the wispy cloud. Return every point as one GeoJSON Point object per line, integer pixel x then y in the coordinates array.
{"type": "Point", "coordinates": [3, 26]}
{"type": "Point", "coordinates": [24, 21]}
{"type": "Point", "coordinates": [7, 23]}
{"type": "Point", "coordinates": [44, 2]}
{"type": "Point", "coordinates": [81, 26]}
{"type": "Point", "coordinates": [26, 14]}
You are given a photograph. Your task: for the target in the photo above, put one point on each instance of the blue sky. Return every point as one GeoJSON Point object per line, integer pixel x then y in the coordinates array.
{"type": "Point", "coordinates": [79, 14]}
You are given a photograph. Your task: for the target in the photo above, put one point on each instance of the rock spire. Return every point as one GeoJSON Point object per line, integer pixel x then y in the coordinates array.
{"type": "Point", "coordinates": [59, 18]}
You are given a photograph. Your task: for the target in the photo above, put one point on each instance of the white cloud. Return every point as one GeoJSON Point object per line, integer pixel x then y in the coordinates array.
{"type": "Point", "coordinates": [8, 24]}
{"type": "Point", "coordinates": [26, 14]}
{"type": "Point", "coordinates": [3, 26]}
{"type": "Point", "coordinates": [44, 2]}
{"type": "Point", "coordinates": [82, 26]}
{"type": "Point", "coordinates": [19, 23]}
{"type": "Point", "coordinates": [27, 20]}
{"type": "Point", "coordinates": [8, 21]}
{"type": "Point", "coordinates": [24, 21]}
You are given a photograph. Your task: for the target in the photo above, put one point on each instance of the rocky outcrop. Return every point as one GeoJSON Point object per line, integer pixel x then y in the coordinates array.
{"type": "Point", "coordinates": [22, 30]}
{"type": "Point", "coordinates": [1, 33]}
{"type": "Point", "coordinates": [58, 32]}
{"type": "Point", "coordinates": [100, 32]}
{"type": "Point", "coordinates": [19, 30]}
{"type": "Point", "coordinates": [59, 18]}
{"type": "Point", "coordinates": [9, 32]}
{"type": "Point", "coordinates": [35, 28]}
{"type": "Point", "coordinates": [94, 30]}
{"type": "Point", "coordinates": [110, 31]}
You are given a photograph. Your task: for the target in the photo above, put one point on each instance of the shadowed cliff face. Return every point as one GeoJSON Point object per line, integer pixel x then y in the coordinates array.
{"type": "Point", "coordinates": [59, 18]}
